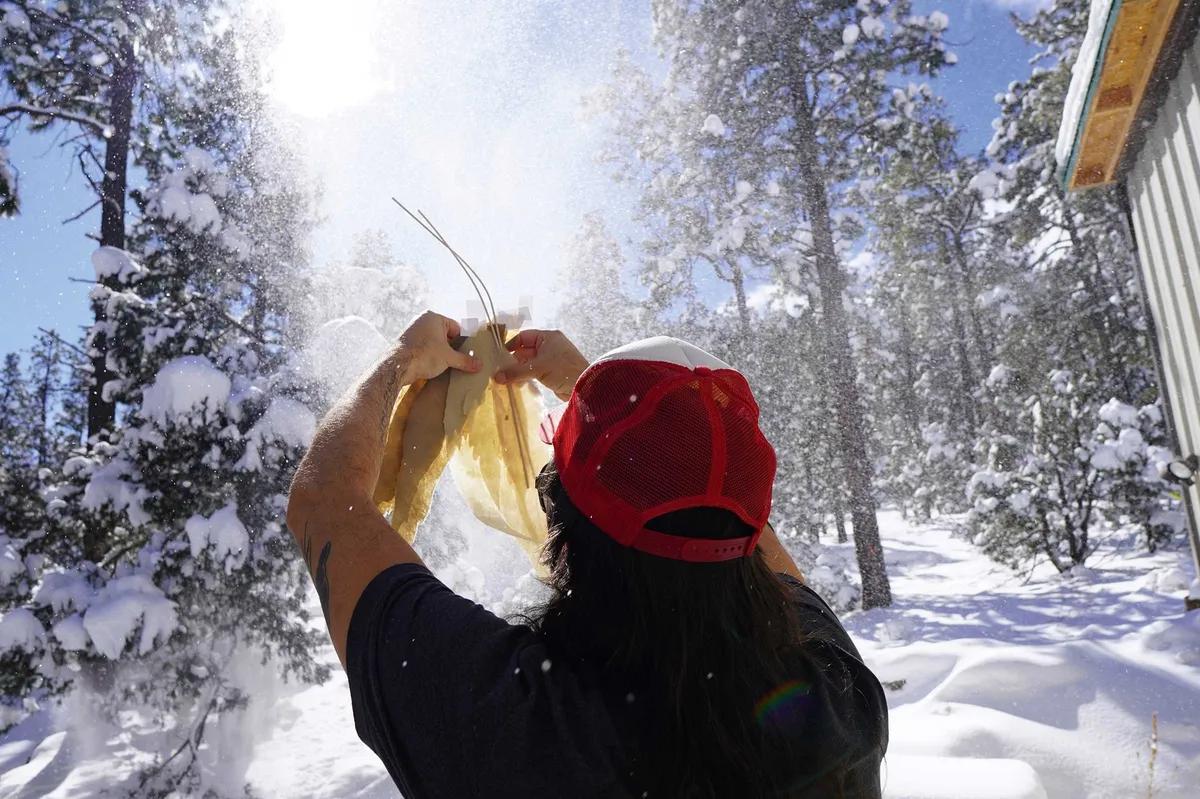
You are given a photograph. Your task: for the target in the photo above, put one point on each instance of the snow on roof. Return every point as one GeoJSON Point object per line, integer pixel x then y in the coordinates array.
{"type": "Point", "coordinates": [1083, 75]}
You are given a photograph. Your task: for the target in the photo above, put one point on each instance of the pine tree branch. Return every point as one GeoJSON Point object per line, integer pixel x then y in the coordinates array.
{"type": "Point", "coordinates": [54, 113]}
{"type": "Point", "coordinates": [62, 341]}
{"type": "Point", "coordinates": [79, 215]}
{"type": "Point", "coordinates": [58, 21]}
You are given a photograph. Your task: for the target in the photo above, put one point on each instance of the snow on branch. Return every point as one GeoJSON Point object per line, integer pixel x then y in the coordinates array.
{"type": "Point", "coordinates": [55, 113]}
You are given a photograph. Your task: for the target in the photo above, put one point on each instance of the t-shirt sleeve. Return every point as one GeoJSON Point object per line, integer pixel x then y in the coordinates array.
{"type": "Point", "coordinates": [817, 618]}
{"type": "Point", "coordinates": [858, 718]}
{"type": "Point", "coordinates": [455, 701]}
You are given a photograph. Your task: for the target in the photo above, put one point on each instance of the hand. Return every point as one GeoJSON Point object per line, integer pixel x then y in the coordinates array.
{"type": "Point", "coordinates": [426, 344]}
{"type": "Point", "coordinates": [546, 356]}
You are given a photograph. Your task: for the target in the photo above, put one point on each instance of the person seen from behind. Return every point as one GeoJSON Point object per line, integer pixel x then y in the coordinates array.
{"type": "Point", "coordinates": [680, 653]}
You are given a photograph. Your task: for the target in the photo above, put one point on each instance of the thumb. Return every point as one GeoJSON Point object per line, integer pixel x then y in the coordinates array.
{"type": "Point", "coordinates": [462, 361]}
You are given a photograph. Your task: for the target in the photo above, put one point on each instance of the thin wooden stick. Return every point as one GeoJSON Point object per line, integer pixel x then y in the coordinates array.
{"type": "Point", "coordinates": [463, 262]}
{"type": "Point", "coordinates": [489, 310]}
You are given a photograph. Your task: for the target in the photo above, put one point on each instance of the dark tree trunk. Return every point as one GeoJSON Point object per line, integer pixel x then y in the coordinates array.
{"type": "Point", "coordinates": [43, 399]}
{"type": "Point", "coordinates": [966, 375]}
{"type": "Point", "coordinates": [101, 410]}
{"type": "Point", "coordinates": [841, 371]}
{"type": "Point", "coordinates": [983, 348]}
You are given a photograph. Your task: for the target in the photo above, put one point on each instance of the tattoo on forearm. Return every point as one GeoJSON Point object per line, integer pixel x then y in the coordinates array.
{"type": "Point", "coordinates": [321, 579]}
{"type": "Point", "coordinates": [319, 570]}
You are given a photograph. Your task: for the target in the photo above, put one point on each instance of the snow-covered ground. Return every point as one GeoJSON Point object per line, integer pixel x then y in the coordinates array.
{"type": "Point", "coordinates": [1001, 686]}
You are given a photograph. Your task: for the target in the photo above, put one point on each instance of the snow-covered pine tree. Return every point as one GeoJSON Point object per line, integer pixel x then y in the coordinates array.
{"type": "Point", "coordinates": [931, 339]}
{"type": "Point", "coordinates": [88, 68]}
{"type": "Point", "coordinates": [192, 569]}
{"type": "Point", "coordinates": [748, 152]}
{"type": "Point", "coordinates": [1069, 472]}
{"type": "Point", "coordinates": [1076, 338]}
{"type": "Point", "coordinates": [594, 310]}
{"type": "Point", "coordinates": [19, 515]}
{"type": "Point", "coordinates": [371, 282]}
{"type": "Point", "coordinates": [42, 404]}
{"type": "Point", "coordinates": [347, 311]}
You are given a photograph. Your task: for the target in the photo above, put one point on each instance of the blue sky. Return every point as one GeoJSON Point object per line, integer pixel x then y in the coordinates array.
{"type": "Point", "coordinates": [470, 112]}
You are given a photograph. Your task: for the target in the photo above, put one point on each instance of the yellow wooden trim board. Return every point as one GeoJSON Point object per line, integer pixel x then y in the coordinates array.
{"type": "Point", "coordinates": [1133, 50]}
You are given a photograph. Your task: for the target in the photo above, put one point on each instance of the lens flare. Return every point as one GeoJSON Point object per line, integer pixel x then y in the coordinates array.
{"type": "Point", "coordinates": [782, 701]}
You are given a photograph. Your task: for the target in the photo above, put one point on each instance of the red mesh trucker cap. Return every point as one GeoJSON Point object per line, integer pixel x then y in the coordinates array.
{"type": "Point", "coordinates": [656, 426]}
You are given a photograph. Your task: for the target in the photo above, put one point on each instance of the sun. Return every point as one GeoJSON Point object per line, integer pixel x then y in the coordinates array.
{"type": "Point", "coordinates": [325, 59]}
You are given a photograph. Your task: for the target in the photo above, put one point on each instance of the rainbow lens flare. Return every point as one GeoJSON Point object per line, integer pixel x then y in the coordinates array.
{"type": "Point", "coordinates": [781, 701]}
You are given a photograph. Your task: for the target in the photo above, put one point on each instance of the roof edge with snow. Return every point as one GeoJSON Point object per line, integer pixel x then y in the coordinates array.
{"type": "Point", "coordinates": [1114, 66]}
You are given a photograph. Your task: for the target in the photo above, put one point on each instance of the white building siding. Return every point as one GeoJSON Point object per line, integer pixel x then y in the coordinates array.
{"type": "Point", "coordinates": [1164, 193]}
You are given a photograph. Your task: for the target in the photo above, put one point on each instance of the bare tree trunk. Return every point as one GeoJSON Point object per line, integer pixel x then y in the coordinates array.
{"type": "Point", "coordinates": [43, 400]}
{"type": "Point", "coordinates": [983, 349]}
{"type": "Point", "coordinates": [101, 410]}
{"type": "Point", "coordinates": [966, 375]}
{"type": "Point", "coordinates": [841, 372]}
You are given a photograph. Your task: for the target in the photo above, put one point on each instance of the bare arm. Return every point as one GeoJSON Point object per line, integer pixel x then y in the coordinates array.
{"type": "Point", "coordinates": [777, 558]}
{"type": "Point", "coordinates": [344, 539]}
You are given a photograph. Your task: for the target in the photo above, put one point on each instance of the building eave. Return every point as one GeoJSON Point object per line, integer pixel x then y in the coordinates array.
{"type": "Point", "coordinates": [1131, 45]}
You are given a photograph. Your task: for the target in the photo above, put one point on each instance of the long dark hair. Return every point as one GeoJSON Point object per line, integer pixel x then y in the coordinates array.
{"type": "Point", "coordinates": [697, 645]}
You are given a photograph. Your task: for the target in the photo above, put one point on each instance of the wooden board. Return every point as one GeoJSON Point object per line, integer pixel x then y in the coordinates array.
{"type": "Point", "coordinates": [1130, 57]}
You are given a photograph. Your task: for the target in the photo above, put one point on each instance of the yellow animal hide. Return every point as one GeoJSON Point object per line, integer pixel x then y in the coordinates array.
{"type": "Point", "coordinates": [489, 435]}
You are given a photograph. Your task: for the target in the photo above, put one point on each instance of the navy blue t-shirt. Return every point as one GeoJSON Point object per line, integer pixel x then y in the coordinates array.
{"type": "Point", "coordinates": [459, 703]}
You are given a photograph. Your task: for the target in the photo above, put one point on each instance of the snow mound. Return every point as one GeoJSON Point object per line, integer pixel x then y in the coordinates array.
{"type": "Point", "coordinates": [197, 211]}
{"type": "Point", "coordinates": [184, 386]}
{"type": "Point", "coordinates": [71, 633]}
{"type": "Point", "coordinates": [1062, 675]}
{"type": "Point", "coordinates": [63, 590]}
{"type": "Point", "coordinates": [928, 777]}
{"type": "Point", "coordinates": [108, 485]}
{"type": "Point", "coordinates": [1178, 637]}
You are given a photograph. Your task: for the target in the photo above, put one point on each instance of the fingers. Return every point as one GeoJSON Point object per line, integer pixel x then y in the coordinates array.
{"type": "Point", "coordinates": [453, 328]}
{"type": "Point", "coordinates": [526, 339]}
{"type": "Point", "coordinates": [517, 373]}
{"type": "Point", "coordinates": [462, 361]}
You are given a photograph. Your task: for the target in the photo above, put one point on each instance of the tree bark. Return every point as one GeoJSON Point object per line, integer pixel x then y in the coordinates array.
{"type": "Point", "coordinates": [102, 412]}
{"type": "Point", "coordinates": [966, 375]}
{"type": "Point", "coordinates": [983, 349]}
{"type": "Point", "coordinates": [840, 369]}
